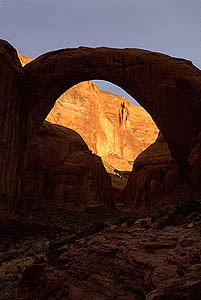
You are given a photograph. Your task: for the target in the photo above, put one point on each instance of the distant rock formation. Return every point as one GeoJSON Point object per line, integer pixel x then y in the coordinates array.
{"type": "Point", "coordinates": [112, 127]}
{"type": "Point", "coordinates": [62, 172]}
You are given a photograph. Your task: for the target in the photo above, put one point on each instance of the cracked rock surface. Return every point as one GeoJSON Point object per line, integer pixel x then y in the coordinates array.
{"type": "Point", "coordinates": [120, 262]}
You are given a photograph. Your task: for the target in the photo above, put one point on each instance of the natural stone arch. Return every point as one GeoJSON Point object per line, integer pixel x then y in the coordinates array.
{"type": "Point", "coordinates": [168, 88]}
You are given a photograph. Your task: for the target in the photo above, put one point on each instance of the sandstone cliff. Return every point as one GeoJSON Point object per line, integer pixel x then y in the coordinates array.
{"type": "Point", "coordinates": [62, 172]}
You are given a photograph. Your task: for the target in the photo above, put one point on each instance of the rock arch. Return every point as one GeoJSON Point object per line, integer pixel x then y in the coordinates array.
{"type": "Point", "coordinates": [168, 88]}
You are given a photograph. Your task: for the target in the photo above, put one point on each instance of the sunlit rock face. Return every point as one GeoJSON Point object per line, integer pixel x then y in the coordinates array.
{"type": "Point", "coordinates": [62, 172]}
{"type": "Point", "coordinates": [24, 59]}
{"type": "Point", "coordinates": [111, 126]}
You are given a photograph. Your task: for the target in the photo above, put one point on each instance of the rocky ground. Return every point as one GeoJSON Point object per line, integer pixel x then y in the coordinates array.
{"type": "Point", "coordinates": [100, 254]}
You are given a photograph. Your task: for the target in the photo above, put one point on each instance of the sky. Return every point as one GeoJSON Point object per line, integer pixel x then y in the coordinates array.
{"type": "Point", "coordinates": [168, 26]}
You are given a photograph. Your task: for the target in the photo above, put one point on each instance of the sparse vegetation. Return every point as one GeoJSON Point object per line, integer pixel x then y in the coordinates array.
{"type": "Point", "coordinates": [81, 220]}
{"type": "Point", "coordinates": [73, 220]}
{"type": "Point", "coordinates": [175, 214]}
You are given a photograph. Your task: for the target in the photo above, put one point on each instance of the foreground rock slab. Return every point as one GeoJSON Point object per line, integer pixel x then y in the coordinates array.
{"type": "Point", "coordinates": [120, 262]}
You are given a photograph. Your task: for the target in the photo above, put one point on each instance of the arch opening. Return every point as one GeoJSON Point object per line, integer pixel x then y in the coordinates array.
{"type": "Point", "coordinates": [112, 127]}
{"type": "Point", "coordinates": [160, 83]}
{"type": "Point", "coordinates": [168, 88]}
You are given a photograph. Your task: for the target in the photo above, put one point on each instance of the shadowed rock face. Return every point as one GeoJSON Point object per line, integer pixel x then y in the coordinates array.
{"type": "Point", "coordinates": [168, 88]}
{"type": "Point", "coordinates": [154, 180]}
{"type": "Point", "coordinates": [62, 172]}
